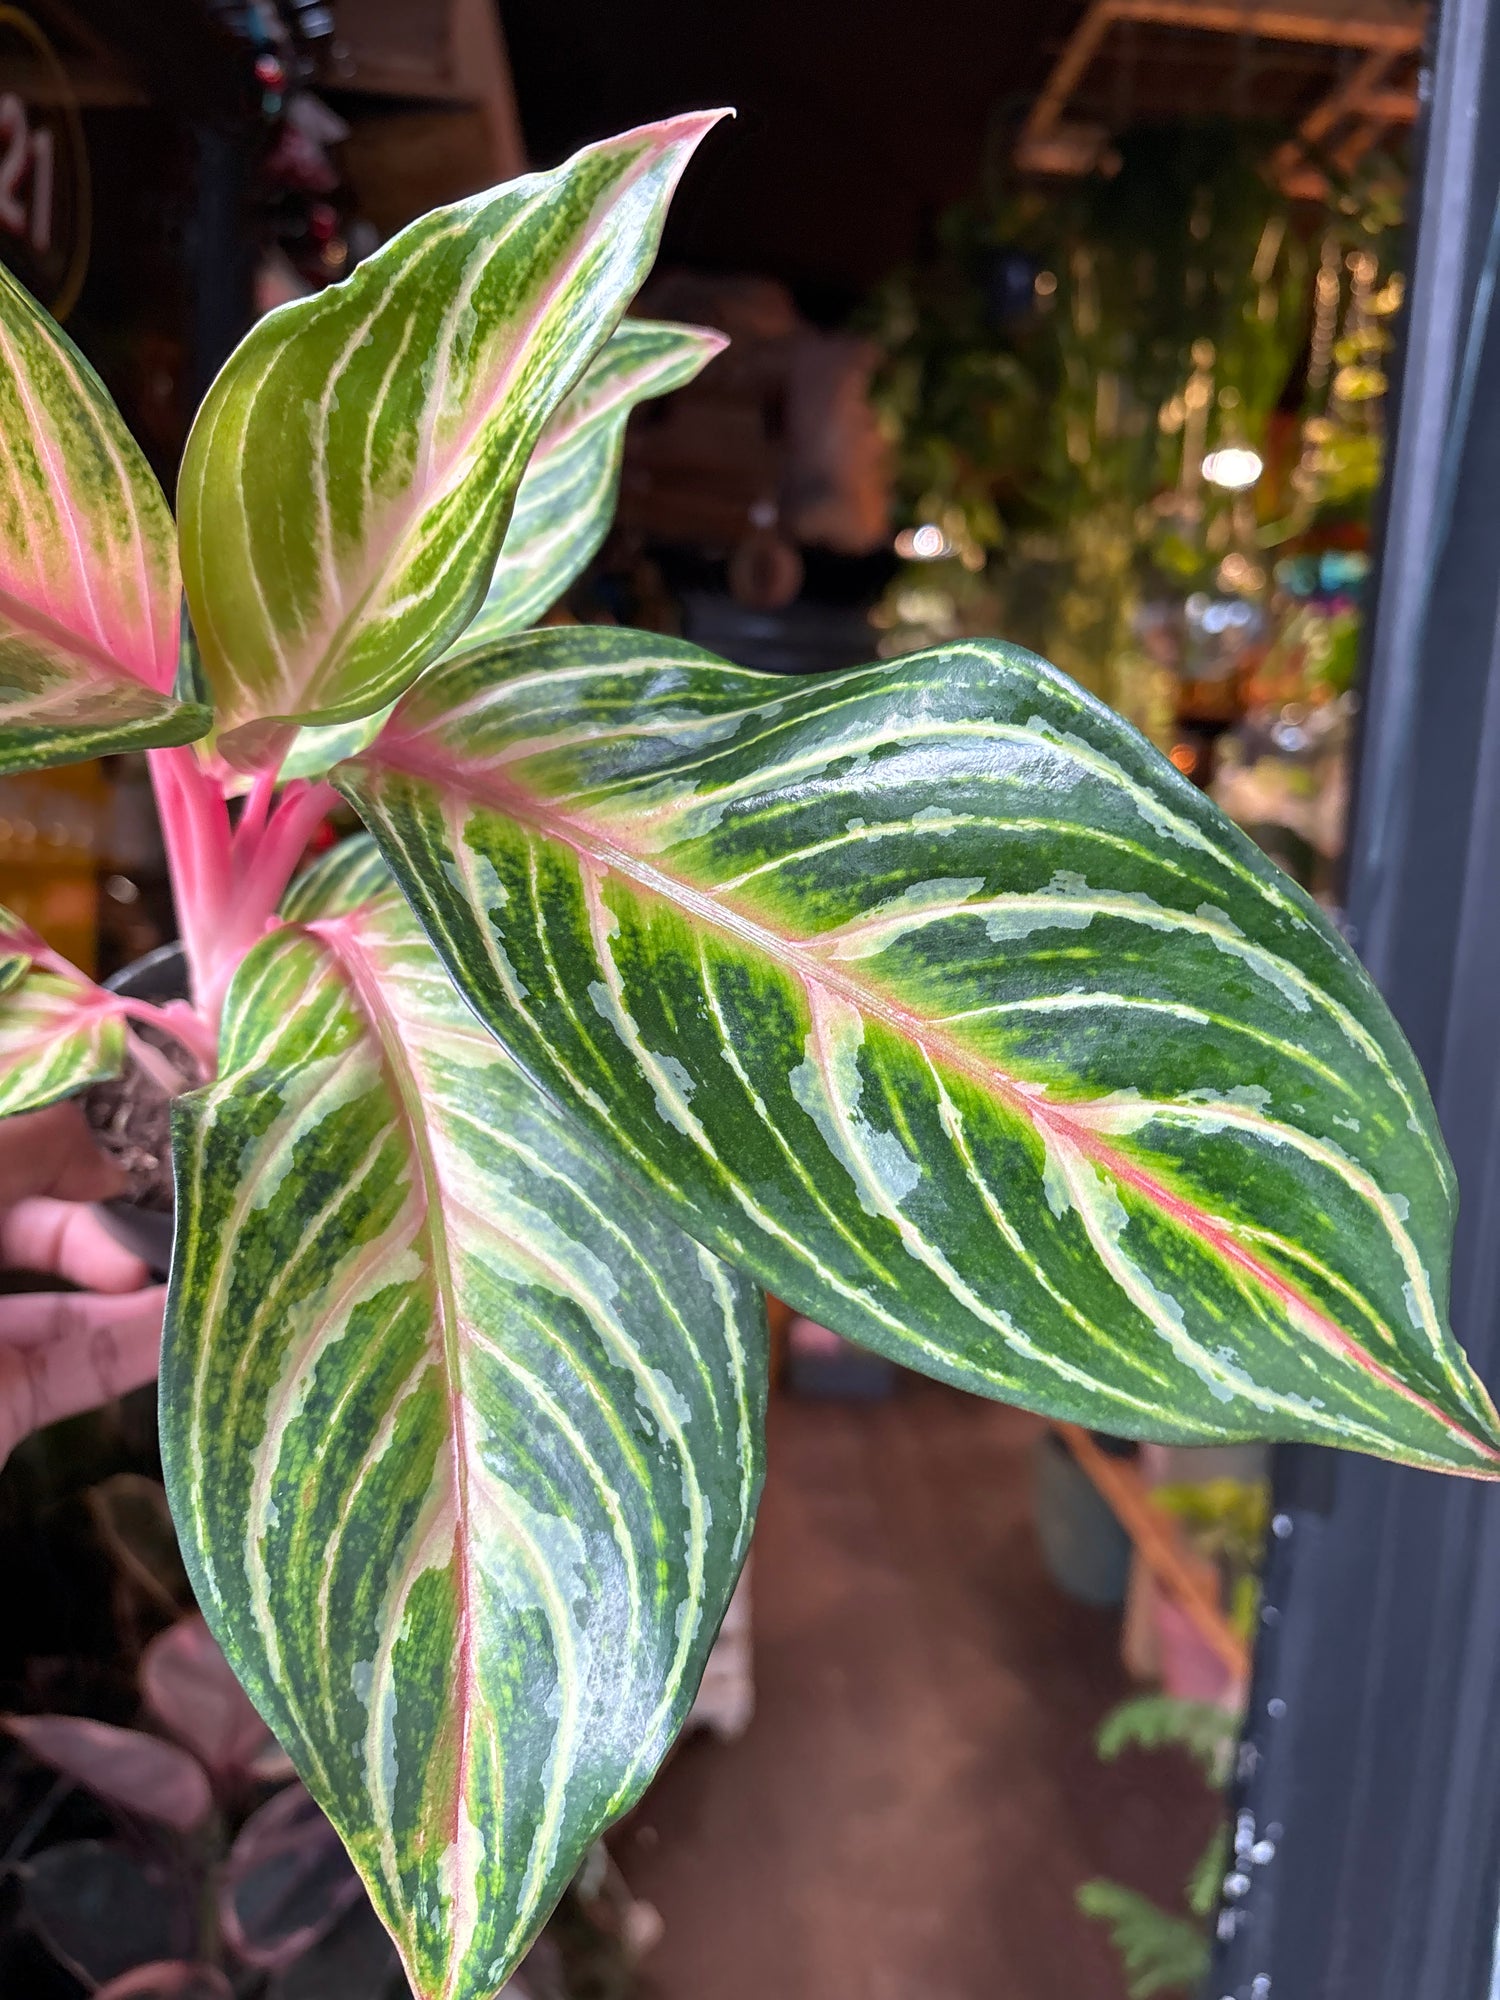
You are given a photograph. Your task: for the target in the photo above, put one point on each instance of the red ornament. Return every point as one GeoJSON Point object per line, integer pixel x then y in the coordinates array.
{"type": "Point", "coordinates": [270, 72]}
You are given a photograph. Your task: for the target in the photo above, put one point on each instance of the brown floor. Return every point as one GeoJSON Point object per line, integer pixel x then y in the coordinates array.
{"type": "Point", "coordinates": [917, 1797]}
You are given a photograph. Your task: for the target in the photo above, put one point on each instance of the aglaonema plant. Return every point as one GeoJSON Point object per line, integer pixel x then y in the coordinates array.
{"type": "Point", "coordinates": [926, 995]}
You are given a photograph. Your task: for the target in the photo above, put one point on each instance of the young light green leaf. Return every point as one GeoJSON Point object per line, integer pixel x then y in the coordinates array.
{"type": "Point", "coordinates": [463, 1438]}
{"type": "Point", "coordinates": [350, 476]}
{"type": "Point", "coordinates": [567, 499]}
{"type": "Point", "coordinates": [563, 509]}
{"type": "Point", "coordinates": [320, 745]}
{"type": "Point", "coordinates": [58, 1031]}
{"type": "Point", "coordinates": [933, 996]}
{"type": "Point", "coordinates": [88, 561]}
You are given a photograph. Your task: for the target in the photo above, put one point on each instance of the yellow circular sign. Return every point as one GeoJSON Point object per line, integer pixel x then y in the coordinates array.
{"type": "Point", "coordinates": [46, 204]}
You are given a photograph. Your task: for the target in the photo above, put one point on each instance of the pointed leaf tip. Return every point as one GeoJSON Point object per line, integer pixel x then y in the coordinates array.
{"type": "Point", "coordinates": [465, 1454]}
{"type": "Point", "coordinates": [686, 127]}
{"type": "Point", "coordinates": [564, 507]}
{"type": "Point", "coordinates": [350, 476]}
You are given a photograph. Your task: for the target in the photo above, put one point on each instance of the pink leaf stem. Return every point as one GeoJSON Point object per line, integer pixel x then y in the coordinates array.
{"type": "Point", "coordinates": [195, 829]}
{"type": "Point", "coordinates": [181, 1020]}
{"type": "Point", "coordinates": [302, 809]}
{"type": "Point", "coordinates": [253, 815]}
{"type": "Point", "coordinates": [155, 1065]}
{"type": "Point", "coordinates": [263, 864]}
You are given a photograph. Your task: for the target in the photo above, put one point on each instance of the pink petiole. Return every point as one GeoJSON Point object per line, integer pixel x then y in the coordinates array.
{"type": "Point", "coordinates": [227, 882]}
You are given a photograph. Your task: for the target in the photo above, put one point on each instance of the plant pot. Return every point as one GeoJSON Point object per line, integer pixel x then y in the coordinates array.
{"type": "Point", "coordinates": [1084, 1548]}
{"type": "Point", "coordinates": [147, 1231]}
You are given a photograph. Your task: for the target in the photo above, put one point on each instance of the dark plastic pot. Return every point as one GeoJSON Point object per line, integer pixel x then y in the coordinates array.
{"type": "Point", "coordinates": [159, 975]}
{"type": "Point", "coordinates": [1084, 1548]}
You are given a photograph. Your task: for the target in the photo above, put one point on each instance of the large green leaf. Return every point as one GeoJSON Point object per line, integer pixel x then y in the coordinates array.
{"type": "Point", "coordinates": [463, 1439]}
{"type": "Point", "coordinates": [349, 478]}
{"type": "Point", "coordinates": [932, 995]}
{"type": "Point", "coordinates": [58, 1031]}
{"type": "Point", "coordinates": [563, 509]}
{"type": "Point", "coordinates": [88, 561]}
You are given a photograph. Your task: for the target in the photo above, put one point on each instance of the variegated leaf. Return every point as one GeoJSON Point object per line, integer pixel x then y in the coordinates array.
{"type": "Point", "coordinates": [932, 995]}
{"type": "Point", "coordinates": [350, 476]}
{"type": "Point", "coordinates": [58, 1031]}
{"type": "Point", "coordinates": [88, 561]}
{"type": "Point", "coordinates": [463, 1439]}
{"type": "Point", "coordinates": [563, 509]}
{"type": "Point", "coordinates": [567, 499]}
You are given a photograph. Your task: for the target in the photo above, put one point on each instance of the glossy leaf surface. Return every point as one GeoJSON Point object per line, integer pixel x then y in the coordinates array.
{"type": "Point", "coordinates": [567, 499]}
{"type": "Point", "coordinates": [88, 561]}
{"type": "Point", "coordinates": [463, 1440]}
{"type": "Point", "coordinates": [563, 509]}
{"type": "Point", "coordinates": [350, 476]}
{"type": "Point", "coordinates": [58, 1031]}
{"type": "Point", "coordinates": [932, 995]}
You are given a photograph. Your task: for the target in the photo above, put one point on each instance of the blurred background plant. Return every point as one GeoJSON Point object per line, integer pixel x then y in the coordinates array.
{"type": "Point", "coordinates": [1165, 1951]}
{"type": "Point", "coordinates": [1113, 407]}
{"type": "Point", "coordinates": [1224, 1521]}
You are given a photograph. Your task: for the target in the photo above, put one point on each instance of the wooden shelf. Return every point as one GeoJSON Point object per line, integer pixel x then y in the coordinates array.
{"type": "Point", "coordinates": [1159, 1540]}
{"type": "Point", "coordinates": [1356, 108]}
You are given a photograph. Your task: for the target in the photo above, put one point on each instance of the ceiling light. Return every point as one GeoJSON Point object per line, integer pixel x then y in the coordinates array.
{"type": "Point", "coordinates": [1234, 467]}
{"type": "Point", "coordinates": [924, 544]}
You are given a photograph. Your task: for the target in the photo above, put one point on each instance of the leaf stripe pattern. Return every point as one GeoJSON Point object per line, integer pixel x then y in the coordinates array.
{"type": "Point", "coordinates": [464, 1440]}
{"type": "Point", "coordinates": [88, 561]}
{"type": "Point", "coordinates": [408, 400]}
{"type": "Point", "coordinates": [58, 1031]}
{"type": "Point", "coordinates": [930, 994]}
{"type": "Point", "coordinates": [567, 499]}
{"type": "Point", "coordinates": [563, 509]}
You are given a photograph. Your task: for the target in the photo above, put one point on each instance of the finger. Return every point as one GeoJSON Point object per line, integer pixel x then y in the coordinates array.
{"type": "Point", "coordinates": [61, 1353]}
{"type": "Point", "coordinates": [53, 1152]}
{"type": "Point", "coordinates": [33, 1319]}
{"type": "Point", "coordinates": [67, 1240]}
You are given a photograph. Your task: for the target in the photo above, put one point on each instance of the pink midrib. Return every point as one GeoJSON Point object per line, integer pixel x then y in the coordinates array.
{"type": "Point", "coordinates": [571, 421]}
{"type": "Point", "coordinates": [350, 948]}
{"type": "Point", "coordinates": [148, 671]}
{"type": "Point", "coordinates": [25, 616]}
{"type": "Point", "coordinates": [86, 1014]}
{"type": "Point", "coordinates": [384, 549]}
{"type": "Point", "coordinates": [415, 756]}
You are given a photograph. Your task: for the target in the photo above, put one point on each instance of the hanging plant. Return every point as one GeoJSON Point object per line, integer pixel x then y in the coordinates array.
{"type": "Point", "coordinates": [1060, 369]}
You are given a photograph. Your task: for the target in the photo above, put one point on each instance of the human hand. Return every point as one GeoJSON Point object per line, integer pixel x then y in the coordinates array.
{"type": "Point", "coordinates": [63, 1352]}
